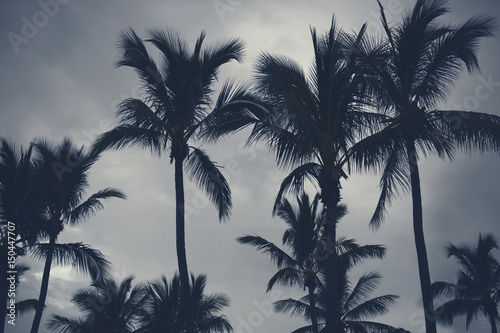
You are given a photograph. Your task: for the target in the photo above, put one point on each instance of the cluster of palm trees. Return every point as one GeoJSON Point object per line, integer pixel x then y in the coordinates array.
{"type": "Point", "coordinates": [365, 104]}
{"type": "Point", "coordinates": [144, 308]}
{"type": "Point", "coordinates": [42, 191]}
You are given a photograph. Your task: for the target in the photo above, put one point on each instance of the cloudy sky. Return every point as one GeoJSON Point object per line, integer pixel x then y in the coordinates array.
{"type": "Point", "coordinates": [58, 79]}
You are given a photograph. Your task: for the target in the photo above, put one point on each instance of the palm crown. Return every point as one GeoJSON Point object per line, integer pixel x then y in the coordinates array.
{"type": "Point", "coordinates": [477, 287]}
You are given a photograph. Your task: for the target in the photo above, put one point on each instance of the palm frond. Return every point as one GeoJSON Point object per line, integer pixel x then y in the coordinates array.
{"type": "Point", "coordinates": [278, 256]}
{"type": "Point", "coordinates": [77, 255]}
{"type": "Point", "coordinates": [207, 175]}
{"type": "Point", "coordinates": [61, 324]}
{"type": "Point", "coordinates": [287, 276]}
{"type": "Point", "coordinates": [93, 204]}
{"type": "Point", "coordinates": [125, 135]}
{"type": "Point", "coordinates": [294, 182]}
{"type": "Point", "coordinates": [26, 306]}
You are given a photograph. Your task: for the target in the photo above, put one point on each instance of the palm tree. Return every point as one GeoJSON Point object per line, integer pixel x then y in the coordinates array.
{"type": "Point", "coordinates": [425, 58]}
{"type": "Point", "coordinates": [316, 120]}
{"type": "Point", "coordinates": [356, 307]}
{"type": "Point", "coordinates": [63, 170]}
{"type": "Point", "coordinates": [18, 207]}
{"type": "Point", "coordinates": [164, 312]}
{"type": "Point", "coordinates": [477, 290]}
{"type": "Point", "coordinates": [174, 108]}
{"type": "Point", "coordinates": [108, 307]}
{"type": "Point", "coordinates": [304, 237]}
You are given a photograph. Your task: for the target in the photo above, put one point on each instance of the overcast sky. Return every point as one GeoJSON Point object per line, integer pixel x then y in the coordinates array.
{"type": "Point", "coordinates": [59, 80]}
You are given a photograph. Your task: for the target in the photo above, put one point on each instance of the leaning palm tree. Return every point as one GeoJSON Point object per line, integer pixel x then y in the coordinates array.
{"type": "Point", "coordinates": [164, 312]}
{"type": "Point", "coordinates": [176, 102]}
{"type": "Point", "coordinates": [316, 120]}
{"type": "Point", "coordinates": [63, 170]}
{"type": "Point", "coordinates": [356, 307]}
{"type": "Point", "coordinates": [309, 249]}
{"type": "Point", "coordinates": [426, 57]}
{"type": "Point", "coordinates": [477, 289]}
{"type": "Point", "coordinates": [108, 307]}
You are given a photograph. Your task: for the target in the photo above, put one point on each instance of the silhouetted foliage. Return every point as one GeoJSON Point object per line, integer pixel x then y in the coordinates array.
{"type": "Point", "coordinates": [426, 55]}
{"type": "Point", "coordinates": [477, 288]}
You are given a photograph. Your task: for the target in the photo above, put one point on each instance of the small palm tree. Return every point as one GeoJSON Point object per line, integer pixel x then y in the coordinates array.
{"type": "Point", "coordinates": [176, 105]}
{"type": "Point", "coordinates": [108, 307]}
{"type": "Point", "coordinates": [164, 312]}
{"type": "Point", "coordinates": [309, 248]}
{"type": "Point", "coordinates": [316, 120]}
{"type": "Point", "coordinates": [63, 170]}
{"type": "Point", "coordinates": [477, 289]}
{"type": "Point", "coordinates": [356, 307]}
{"type": "Point", "coordinates": [425, 59]}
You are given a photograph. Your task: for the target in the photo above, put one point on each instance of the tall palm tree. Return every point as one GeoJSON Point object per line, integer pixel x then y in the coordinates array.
{"type": "Point", "coordinates": [109, 307]}
{"type": "Point", "coordinates": [176, 102]}
{"type": "Point", "coordinates": [426, 56]}
{"type": "Point", "coordinates": [304, 237]}
{"type": "Point", "coordinates": [63, 169]}
{"type": "Point", "coordinates": [164, 312]}
{"type": "Point", "coordinates": [477, 288]}
{"type": "Point", "coordinates": [317, 119]}
{"type": "Point", "coordinates": [355, 305]}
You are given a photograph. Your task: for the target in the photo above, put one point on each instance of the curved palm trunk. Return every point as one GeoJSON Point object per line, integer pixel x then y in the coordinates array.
{"type": "Point", "coordinates": [418, 231]}
{"type": "Point", "coordinates": [330, 194]}
{"type": "Point", "coordinates": [45, 286]}
{"type": "Point", "coordinates": [181, 247]}
{"type": "Point", "coordinates": [314, 315]}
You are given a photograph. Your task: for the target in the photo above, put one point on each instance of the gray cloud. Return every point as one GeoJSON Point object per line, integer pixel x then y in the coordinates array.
{"type": "Point", "coordinates": [63, 82]}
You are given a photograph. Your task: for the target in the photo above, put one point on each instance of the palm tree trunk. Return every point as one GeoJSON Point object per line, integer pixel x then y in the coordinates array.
{"type": "Point", "coordinates": [181, 247]}
{"type": "Point", "coordinates": [493, 323]}
{"type": "Point", "coordinates": [45, 286]}
{"type": "Point", "coordinates": [330, 194]}
{"type": "Point", "coordinates": [418, 231]}
{"type": "Point", "coordinates": [312, 304]}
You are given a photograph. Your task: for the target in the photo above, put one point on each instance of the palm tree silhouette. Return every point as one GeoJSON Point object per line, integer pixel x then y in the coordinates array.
{"type": "Point", "coordinates": [425, 58]}
{"type": "Point", "coordinates": [316, 120]}
{"type": "Point", "coordinates": [164, 312]}
{"type": "Point", "coordinates": [108, 307]}
{"type": "Point", "coordinates": [355, 305]}
{"type": "Point", "coordinates": [477, 290]}
{"type": "Point", "coordinates": [17, 209]}
{"type": "Point", "coordinates": [175, 108]}
{"type": "Point", "coordinates": [63, 169]}
{"type": "Point", "coordinates": [304, 237]}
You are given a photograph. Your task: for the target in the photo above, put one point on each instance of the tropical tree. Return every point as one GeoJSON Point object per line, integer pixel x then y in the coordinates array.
{"type": "Point", "coordinates": [477, 288]}
{"type": "Point", "coordinates": [355, 305]}
{"type": "Point", "coordinates": [108, 307]}
{"type": "Point", "coordinates": [176, 102]}
{"type": "Point", "coordinates": [18, 210]}
{"type": "Point", "coordinates": [316, 120]}
{"type": "Point", "coordinates": [63, 170]}
{"type": "Point", "coordinates": [164, 312]}
{"type": "Point", "coordinates": [426, 56]}
{"type": "Point", "coordinates": [304, 237]}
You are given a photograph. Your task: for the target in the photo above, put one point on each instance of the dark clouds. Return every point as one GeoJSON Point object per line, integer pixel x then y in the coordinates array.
{"type": "Point", "coordinates": [63, 82]}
